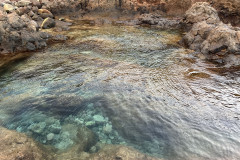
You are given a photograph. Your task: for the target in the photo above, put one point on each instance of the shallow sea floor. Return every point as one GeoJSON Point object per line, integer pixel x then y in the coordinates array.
{"type": "Point", "coordinates": [127, 85]}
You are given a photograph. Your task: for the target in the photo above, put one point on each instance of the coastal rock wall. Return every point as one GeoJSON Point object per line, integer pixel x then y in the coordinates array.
{"type": "Point", "coordinates": [168, 7]}
{"type": "Point", "coordinates": [208, 34]}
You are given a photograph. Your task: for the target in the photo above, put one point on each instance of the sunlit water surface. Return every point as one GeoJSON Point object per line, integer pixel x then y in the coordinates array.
{"type": "Point", "coordinates": [129, 85]}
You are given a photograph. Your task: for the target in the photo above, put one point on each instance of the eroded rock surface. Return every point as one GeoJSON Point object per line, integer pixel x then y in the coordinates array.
{"type": "Point", "coordinates": [16, 146]}
{"type": "Point", "coordinates": [208, 34]}
{"type": "Point", "coordinates": [228, 10]}
{"type": "Point", "coordinates": [119, 152]}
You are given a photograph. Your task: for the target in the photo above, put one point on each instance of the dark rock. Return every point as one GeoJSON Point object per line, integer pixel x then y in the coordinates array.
{"type": "Point", "coordinates": [48, 23]}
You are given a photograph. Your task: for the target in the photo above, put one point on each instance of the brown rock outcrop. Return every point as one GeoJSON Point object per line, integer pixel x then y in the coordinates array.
{"type": "Point", "coordinates": [228, 10]}
{"type": "Point", "coordinates": [18, 146]}
{"type": "Point", "coordinates": [208, 34]}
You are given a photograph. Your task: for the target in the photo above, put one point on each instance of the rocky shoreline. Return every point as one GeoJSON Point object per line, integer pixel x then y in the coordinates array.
{"type": "Point", "coordinates": [23, 22]}
{"type": "Point", "coordinates": [211, 29]}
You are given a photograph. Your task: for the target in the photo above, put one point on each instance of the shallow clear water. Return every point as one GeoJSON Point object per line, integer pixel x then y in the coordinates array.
{"type": "Point", "coordinates": [129, 85]}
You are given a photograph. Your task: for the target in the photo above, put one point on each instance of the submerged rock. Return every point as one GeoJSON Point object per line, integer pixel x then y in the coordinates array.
{"type": "Point", "coordinates": [16, 146]}
{"type": "Point", "coordinates": [98, 119]}
{"type": "Point", "coordinates": [37, 127]}
{"type": "Point", "coordinates": [118, 152]}
{"type": "Point", "coordinates": [85, 139]}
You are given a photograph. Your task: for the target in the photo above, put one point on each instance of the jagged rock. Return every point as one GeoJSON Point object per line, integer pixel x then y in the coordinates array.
{"type": "Point", "coordinates": [48, 23]}
{"type": "Point", "coordinates": [16, 146]}
{"type": "Point", "coordinates": [222, 38]}
{"type": "Point", "coordinates": [195, 37]}
{"type": "Point", "coordinates": [228, 10]}
{"type": "Point", "coordinates": [15, 21]}
{"type": "Point", "coordinates": [37, 127]}
{"type": "Point", "coordinates": [201, 11]}
{"type": "Point", "coordinates": [208, 34]}
{"type": "Point", "coordinates": [19, 33]}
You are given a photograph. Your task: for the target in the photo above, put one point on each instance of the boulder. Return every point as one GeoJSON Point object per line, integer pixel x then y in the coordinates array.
{"type": "Point", "coordinates": [23, 3]}
{"type": "Point", "coordinates": [15, 21]}
{"type": "Point", "coordinates": [195, 37]}
{"type": "Point", "coordinates": [208, 34]}
{"type": "Point", "coordinates": [201, 11]}
{"type": "Point", "coordinates": [18, 146]}
{"type": "Point", "coordinates": [223, 38]}
{"type": "Point", "coordinates": [22, 10]}
{"type": "Point", "coordinates": [8, 8]}
{"type": "Point", "coordinates": [85, 139]}
{"type": "Point", "coordinates": [48, 23]}
{"type": "Point", "coordinates": [33, 26]}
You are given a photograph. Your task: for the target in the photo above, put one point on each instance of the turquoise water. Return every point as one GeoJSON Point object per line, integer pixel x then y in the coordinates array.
{"type": "Point", "coordinates": [126, 85]}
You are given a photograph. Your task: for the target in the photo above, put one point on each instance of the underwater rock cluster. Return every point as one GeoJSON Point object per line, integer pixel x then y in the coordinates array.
{"type": "Point", "coordinates": [93, 119]}
{"type": "Point", "coordinates": [83, 129]}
